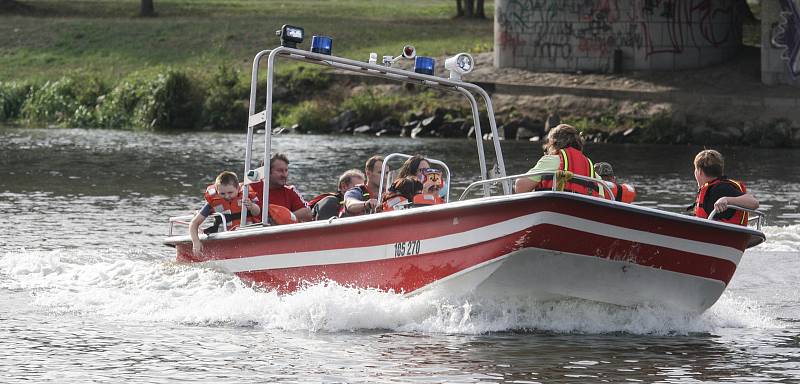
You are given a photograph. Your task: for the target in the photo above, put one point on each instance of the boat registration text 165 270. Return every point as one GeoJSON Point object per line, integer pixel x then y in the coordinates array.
{"type": "Point", "coordinates": [407, 248]}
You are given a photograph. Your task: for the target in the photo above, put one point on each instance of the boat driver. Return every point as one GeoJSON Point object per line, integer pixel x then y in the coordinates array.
{"type": "Point", "coordinates": [280, 193]}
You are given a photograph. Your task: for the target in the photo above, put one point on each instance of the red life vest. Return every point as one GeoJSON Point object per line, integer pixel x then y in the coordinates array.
{"type": "Point", "coordinates": [393, 202]}
{"type": "Point", "coordinates": [739, 217]}
{"type": "Point", "coordinates": [421, 199]}
{"type": "Point", "coordinates": [574, 161]}
{"type": "Point", "coordinates": [231, 209]}
{"type": "Point", "coordinates": [625, 193]}
{"type": "Point", "coordinates": [280, 215]}
{"type": "Point", "coordinates": [316, 199]}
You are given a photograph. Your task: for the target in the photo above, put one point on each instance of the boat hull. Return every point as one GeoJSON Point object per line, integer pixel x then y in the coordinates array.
{"type": "Point", "coordinates": [541, 245]}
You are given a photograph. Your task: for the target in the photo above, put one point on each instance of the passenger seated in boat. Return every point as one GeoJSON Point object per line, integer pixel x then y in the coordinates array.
{"type": "Point", "coordinates": [225, 197]}
{"type": "Point", "coordinates": [563, 150]}
{"type": "Point", "coordinates": [625, 193]}
{"type": "Point", "coordinates": [401, 193]}
{"type": "Point", "coordinates": [410, 192]}
{"type": "Point", "coordinates": [362, 198]}
{"type": "Point", "coordinates": [411, 166]}
{"type": "Point", "coordinates": [328, 205]}
{"type": "Point", "coordinates": [280, 193]}
{"type": "Point", "coordinates": [717, 191]}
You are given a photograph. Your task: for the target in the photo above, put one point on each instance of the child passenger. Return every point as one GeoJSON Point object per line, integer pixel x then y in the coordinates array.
{"type": "Point", "coordinates": [225, 197]}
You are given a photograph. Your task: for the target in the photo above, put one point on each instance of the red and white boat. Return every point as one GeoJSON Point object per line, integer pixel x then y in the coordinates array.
{"type": "Point", "coordinates": [545, 245]}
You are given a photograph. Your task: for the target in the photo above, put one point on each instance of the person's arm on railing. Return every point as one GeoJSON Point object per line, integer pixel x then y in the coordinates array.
{"type": "Point", "coordinates": [194, 229]}
{"type": "Point", "coordinates": [252, 207]}
{"type": "Point", "coordinates": [545, 163]}
{"type": "Point", "coordinates": [745, 201]}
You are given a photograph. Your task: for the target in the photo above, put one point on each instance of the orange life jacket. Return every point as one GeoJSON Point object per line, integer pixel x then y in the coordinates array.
{"type": "Point", "coordinates": [427, 199]}
{"type": "Point", "coordinates": [280, 215]}
{"type": "Point", "coordinates": [393, 202]}
{"type": "Point", "coordinates": [574, 161]}
{"type": "Point", "coordinates": [625, 193]}
{"type": "Point", "coordinates": [231, 209]}
{"type": "Point", "coordinates": [739, 217]}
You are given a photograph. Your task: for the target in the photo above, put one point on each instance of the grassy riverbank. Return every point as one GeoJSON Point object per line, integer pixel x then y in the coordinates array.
{"type": "Point", "coordinates": [95, 63]}
{"type": "Point", "coordinates": [47, 39]}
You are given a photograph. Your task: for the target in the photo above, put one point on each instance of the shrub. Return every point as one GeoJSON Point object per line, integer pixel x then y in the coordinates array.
{"type": "Point", "coordinates": [50, 103]}
{"type": "Point", "coordinates": [81, 117]}
{"type": "Point", "coordinates": [224, 107]}
{"type": "Point", "coordinates": [168, 102]}
{"type": "Point", "coordinates": [12, 97]}
{"type": "Point", "coordinates": [116, 109]}
{"type": "Point", "coordinates": [311, 115]}
{"type": "Point", "coordinates": [369, 108]}
{"type": "Point", "coordinates": [56, 102]}
{"type": "Point", "coordinates": [300, 82]}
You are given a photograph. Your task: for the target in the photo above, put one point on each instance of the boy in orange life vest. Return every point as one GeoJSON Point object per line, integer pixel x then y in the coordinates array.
{"type": "Point", "coordinates": [718, 191]}
{"type": "Point", "coordinates": [224, 196]}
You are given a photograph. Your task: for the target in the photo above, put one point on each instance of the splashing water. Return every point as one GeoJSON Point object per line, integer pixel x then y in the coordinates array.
{"type": "Point", "coordinates": [97, 283]}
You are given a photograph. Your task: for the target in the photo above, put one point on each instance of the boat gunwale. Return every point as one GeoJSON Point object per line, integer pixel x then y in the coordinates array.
{"type": "Point", "coordinates": [756, 237]}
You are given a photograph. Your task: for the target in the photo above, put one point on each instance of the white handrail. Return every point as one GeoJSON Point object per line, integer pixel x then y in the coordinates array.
{"type": "Point", "coordinates": [759, 216]}
{"type": "Point", "coordinates": [182, 220]}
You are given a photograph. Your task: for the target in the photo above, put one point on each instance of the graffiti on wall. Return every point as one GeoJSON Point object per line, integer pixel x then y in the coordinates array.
{"type": "Point", "coordinates": [560, 29]}
{"type": "Point", "coordinates": [787, 36]}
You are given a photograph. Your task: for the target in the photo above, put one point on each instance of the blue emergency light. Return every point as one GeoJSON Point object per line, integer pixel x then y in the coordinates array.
{"type": "Point", "coordinates": [424, 65]}
{"type": "Point", "coordinates": [321, 44]}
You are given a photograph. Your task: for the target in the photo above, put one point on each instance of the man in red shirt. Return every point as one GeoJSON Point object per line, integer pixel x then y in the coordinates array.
{"type": "Point", "coordinates": [280, 193]}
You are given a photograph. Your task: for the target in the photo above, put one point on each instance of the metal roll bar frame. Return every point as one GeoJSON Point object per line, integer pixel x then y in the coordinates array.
{"type": "Point", "coordinates": [368, 69]}
{"type": "Point", "coordinates": [182, 220]}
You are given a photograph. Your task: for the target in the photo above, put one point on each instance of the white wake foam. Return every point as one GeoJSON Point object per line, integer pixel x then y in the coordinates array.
{"type": "Point", "coordinates": [70, 282]}
{"type": "Point", "coordinates": [781, 238]}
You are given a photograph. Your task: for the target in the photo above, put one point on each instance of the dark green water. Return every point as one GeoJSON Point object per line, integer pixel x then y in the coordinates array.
{"type": "Point", "coordinates": [88, 292]}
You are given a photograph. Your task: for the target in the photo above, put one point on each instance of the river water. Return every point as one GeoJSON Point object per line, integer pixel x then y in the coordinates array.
{"type": "Point", "coordinates": [89, 294]}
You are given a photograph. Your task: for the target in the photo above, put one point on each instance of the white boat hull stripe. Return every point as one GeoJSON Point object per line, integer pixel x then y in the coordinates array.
{"type": "Point", "coordinates": [472, 237]}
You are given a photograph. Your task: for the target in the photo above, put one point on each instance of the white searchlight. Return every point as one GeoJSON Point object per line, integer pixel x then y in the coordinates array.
{"type": "Point", "coordinates": [459, 65]}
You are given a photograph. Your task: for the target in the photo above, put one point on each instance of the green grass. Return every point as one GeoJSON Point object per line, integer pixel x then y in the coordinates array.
{"type": "Point", "coordinates": [106, 39]}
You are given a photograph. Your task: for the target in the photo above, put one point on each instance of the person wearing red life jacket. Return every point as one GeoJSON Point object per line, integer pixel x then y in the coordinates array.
{"type": "Point", "coordinates": [625, 193]}
{"type": "Point", "coordinates": [401, 194]}
{"type": "Point", "coordinates": [717, 191]}
{"type": "Point", "coordinates": [280, 193]}
{"type": "Point", "coordinates": [410, 192]}
{"type": "Point", "coordinates": [563, 150]}
{"type": "Point", "coordinates": [328, 205]}
{"type": "Point", "coordinates": [225, 197]}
